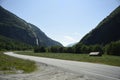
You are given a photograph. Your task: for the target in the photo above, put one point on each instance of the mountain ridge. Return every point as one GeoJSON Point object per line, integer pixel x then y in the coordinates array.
{"type": "Point", "coordinates": [106, 31]}
{"type": "Point", "coordinates": [16, 28]}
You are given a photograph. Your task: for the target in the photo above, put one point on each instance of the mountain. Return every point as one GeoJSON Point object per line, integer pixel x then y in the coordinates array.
{"type": "Point", "coordinates": [71, 45]}
{"type": "Point", "coordinates": [18, 29]}
{"type": "Point", "coordinates": [11, 44]}
{"type": "Point", "coordinates": [41, 38]}
{"type": "Point", "coordinates": [108, 30]}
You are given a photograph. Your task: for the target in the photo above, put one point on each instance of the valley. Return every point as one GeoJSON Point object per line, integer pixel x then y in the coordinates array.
{"type": "Point", "coordinates": [29, 52]}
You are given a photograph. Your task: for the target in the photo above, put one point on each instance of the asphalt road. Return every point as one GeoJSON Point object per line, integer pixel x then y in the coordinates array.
{"type": "Point", "coordinates": [94, 71]}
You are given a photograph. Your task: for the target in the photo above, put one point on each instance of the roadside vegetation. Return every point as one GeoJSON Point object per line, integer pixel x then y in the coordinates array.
{"type": "Point", "coordinates": [104, 59]}
{"type": "Point", "coordinates": [112, 48]}
{"type": "Point", "coordinates": [10, 64]}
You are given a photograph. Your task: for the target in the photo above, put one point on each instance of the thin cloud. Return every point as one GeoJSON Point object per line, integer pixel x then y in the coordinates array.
{"type": "Point", "coordinates": [69, 38]}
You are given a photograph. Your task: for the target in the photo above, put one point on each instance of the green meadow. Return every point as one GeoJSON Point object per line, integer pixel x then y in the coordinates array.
{"type": "Point", "coordinates": [104, 59]}
{"type": "Point", "coordinates": [11, 64]}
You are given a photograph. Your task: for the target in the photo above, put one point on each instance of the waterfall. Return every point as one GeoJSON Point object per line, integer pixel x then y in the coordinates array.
{"type": "Point", "coordinates": [37, 41]}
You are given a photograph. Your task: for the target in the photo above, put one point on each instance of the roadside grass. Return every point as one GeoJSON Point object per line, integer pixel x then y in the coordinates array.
{"type": "Point", "coordinates": [12, 65]}
{"type": "Point", "coordinates": [104, 59]}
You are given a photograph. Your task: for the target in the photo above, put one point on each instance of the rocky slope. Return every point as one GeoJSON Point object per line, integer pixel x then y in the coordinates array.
{"type": "Point", "coordinates": [13, 27]}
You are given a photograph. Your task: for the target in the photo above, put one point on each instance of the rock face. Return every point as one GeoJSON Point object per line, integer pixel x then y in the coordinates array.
{"type": "Point", "coordinates": [16, 28]}
{"type": "Point", "coordinates": [107, 30]}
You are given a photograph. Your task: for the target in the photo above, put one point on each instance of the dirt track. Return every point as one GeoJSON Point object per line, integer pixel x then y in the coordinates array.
{"type": "Point", "coordinates": [65, 70]}
{"type": "Point", "coordinates": [45, 72]}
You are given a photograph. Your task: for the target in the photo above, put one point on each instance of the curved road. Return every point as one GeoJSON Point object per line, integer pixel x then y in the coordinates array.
{"type": "Point", "coordinates": [91, 70]}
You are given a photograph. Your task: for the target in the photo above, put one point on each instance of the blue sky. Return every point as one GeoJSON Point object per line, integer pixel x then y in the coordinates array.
{"type": "Point", "coordinates": [66, 21]}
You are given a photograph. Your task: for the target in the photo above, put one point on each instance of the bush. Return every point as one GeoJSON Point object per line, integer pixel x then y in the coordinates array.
{"type": "Point", "coordinates": [39, 49]}
{"type": "Point", "coordinates": [113, 48]}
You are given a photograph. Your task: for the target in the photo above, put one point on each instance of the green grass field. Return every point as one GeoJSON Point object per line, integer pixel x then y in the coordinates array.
{"type": "Point", "coordinates": [12, 64]}
{"type": "Point", "coordinates": [105, 59]}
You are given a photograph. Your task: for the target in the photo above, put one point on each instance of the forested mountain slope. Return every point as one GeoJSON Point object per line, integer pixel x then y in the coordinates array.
{"type": "Point", "coordinates": [18, 29]}
{"type": "Point", "coordinates": [108, 30]}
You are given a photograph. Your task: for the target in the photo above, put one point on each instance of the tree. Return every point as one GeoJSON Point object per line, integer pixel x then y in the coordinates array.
{"type": "Point", "coordinates": [77, 48]}
{"type": "Point", "coordinates": [61, 49]}
{"type": "Point", "coordinates": [69, 50]}
{"type": "Point", "coordinates": [54, 49]}
{"type": "Point", "coordinates": [97, 48]}
{"type": "Point", "coordinates": [85, 49]}
{"type": "Point", "coordinates": [39, 49]}
{"type": "Point", "coordinates": [113, 48]}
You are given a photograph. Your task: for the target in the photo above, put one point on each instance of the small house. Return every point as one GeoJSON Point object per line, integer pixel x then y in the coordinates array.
{"type": "Point", "coordinates": [95, 54]}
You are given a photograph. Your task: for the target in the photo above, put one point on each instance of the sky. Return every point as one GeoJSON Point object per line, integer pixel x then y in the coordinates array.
{"type": "Point", "coordinates": [65, 21]}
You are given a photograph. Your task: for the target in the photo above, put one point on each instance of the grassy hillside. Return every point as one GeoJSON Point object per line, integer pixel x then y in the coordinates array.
{"type": "Point", "coordinates": [105, 59]}
{"type": "Point", "coordinates": [11, 64]}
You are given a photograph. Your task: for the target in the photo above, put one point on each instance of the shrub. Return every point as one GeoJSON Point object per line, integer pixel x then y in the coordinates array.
{"type": "Point", "coordinates": [39, 49]}
{"type": "Point", "coordinates": [113, 48]}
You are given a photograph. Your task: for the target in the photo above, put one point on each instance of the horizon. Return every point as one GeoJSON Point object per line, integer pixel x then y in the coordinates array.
{"type": "Point", "coordinates": [64, 21]}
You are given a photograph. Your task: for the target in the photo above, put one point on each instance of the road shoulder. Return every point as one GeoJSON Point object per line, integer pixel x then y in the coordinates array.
{"type": "Point", "coordinates": [45, 72]}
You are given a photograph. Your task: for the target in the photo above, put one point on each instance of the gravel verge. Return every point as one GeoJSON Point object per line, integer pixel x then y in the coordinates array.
{"type": "Point", "coordinates": [45, 72]}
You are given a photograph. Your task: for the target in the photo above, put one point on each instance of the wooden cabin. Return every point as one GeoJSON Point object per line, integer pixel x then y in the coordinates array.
{"type": "Point", "coordinates": [95, 54]}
